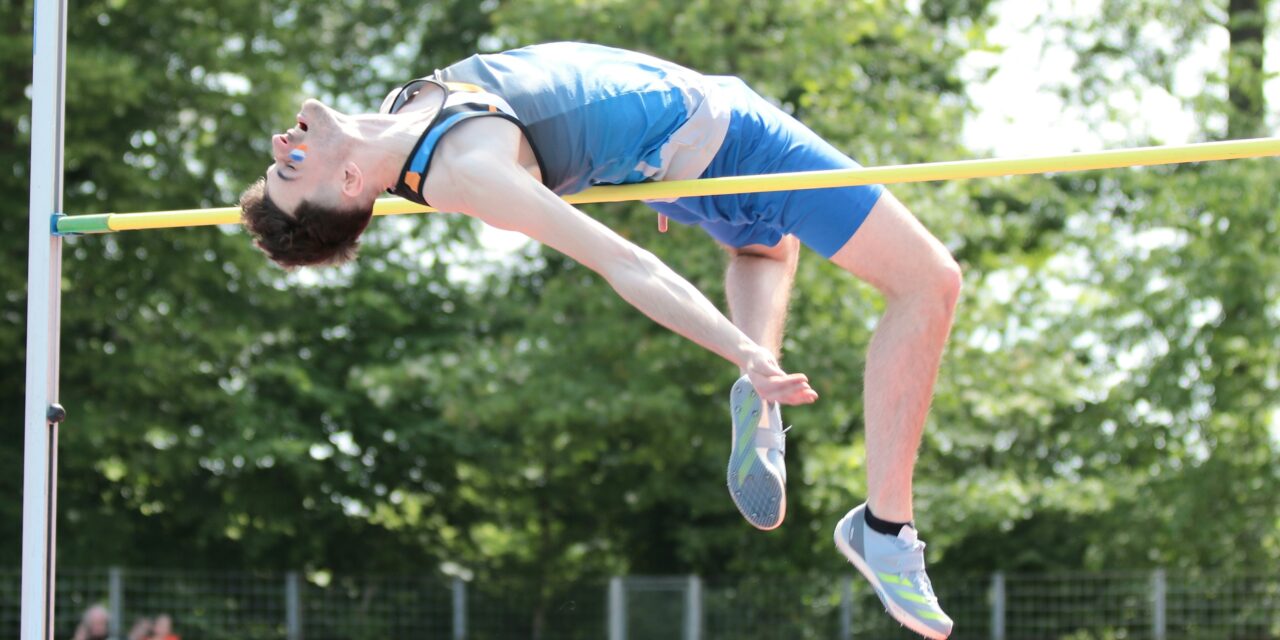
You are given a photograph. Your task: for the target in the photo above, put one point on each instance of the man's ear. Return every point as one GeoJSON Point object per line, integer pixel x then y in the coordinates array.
{"type": "Point", "coordinates": [352, 180]}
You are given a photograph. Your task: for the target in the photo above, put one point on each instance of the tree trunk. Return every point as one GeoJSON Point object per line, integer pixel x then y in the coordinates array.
{"type": "Point", "coordinates": [1243, 303]}
{"type": "Point", "coordinates": [1246, 26]}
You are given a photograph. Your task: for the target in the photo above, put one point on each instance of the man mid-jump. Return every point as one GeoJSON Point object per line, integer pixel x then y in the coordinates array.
{"type": "Point", "coordinates": [500, 136]}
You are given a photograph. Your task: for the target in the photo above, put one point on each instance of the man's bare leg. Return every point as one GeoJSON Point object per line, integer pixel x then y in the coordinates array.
{"type": "Point", "coordinates": [921, 283]}
{"type": "Point", "coordinates": [758, 286]}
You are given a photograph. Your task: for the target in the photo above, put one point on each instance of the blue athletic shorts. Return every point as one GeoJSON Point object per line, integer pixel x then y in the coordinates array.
{"type": "Point", "coordinates": [764, 139]}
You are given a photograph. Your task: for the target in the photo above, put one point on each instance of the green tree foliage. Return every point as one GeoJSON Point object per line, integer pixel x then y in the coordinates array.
{"type": "Point", "coordinates": [206, 388]}
{"type": "Point", "coordinates": [1150, 298]}
{"type": "Point", "coordinates": [1109, 389]}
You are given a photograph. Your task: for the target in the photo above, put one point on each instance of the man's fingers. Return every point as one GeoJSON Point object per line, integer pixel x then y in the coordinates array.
{"type": "Point", "coordinates": [787, 382]}
{"type": "Point", "coordinates": [791, 389]}
{"type": "Point", "coordinates": [793, 383]}
{"type": "Point", "coordinates": [806, 397]}
{"type": "Point", "coordinates": [776, 385]}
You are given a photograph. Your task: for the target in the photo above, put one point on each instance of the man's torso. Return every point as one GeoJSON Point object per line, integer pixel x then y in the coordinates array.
{"type": "Point", "coordinates": [598, 115]}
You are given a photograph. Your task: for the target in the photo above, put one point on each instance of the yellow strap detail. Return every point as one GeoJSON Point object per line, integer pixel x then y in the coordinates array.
{"type": "Point", "coordinates": [464, 86]}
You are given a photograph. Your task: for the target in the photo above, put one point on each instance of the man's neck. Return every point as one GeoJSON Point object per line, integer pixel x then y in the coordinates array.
{"type": "Point", "coordinates": [385, 142]}
{"type": "Point", "coordinates": [392, 137]}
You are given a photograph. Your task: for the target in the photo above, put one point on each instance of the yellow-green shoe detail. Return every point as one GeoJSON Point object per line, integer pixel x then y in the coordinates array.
{"type": "Point", "coordinates": [907, 595]}
{"type": "Point", "coordinates": [756, 474]}
{"type": "Point", "coordinates": [746, 437]}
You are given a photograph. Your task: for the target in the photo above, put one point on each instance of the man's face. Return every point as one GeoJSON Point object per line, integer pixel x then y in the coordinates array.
{"type": "Point", "coordinates": [309, 159]}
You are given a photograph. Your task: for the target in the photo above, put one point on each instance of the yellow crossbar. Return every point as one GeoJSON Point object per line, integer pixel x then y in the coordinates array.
{"type": "Point", "coordinates": [933, 171]}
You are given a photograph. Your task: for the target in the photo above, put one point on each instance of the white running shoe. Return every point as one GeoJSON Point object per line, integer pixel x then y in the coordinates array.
{"type": "Point", "coordinates": [894, 565]}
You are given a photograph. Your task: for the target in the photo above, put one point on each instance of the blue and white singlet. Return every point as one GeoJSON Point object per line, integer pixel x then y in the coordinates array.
{"type": "Point", "coordinates": [592, 114]}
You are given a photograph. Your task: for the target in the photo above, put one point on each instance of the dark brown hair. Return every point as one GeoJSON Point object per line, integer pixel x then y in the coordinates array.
{"type": "Point", "coordinates": [313, 235]}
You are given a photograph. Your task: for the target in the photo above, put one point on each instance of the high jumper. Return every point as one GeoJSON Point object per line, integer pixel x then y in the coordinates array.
{"type": "Point", "coordinates": [500, 137]}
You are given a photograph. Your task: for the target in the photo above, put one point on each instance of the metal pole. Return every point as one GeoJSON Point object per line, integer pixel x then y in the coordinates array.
{"type": "Point", "coordinates": [1159, 603]}
{"type": "Point", "coordinates": [459, 609]}
{"type": "Point", "coordinates": [115, 601]}
{"type": "Point", "coordinates": [846, 609]}
{"type": "Point", "coordinates": [44, 290]}
{"type": "Point", "coordinates": [617, 613]}
{"type": "Point", "coordinates": [693, 609]}
{"type": "Point", "coordinates": [293, 606]}
{"type": "Point", "coordinates": [997, 606]}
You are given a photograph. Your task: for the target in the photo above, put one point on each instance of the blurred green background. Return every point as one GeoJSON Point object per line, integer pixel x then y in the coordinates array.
{"type": "Point", "coordinates": [1110, 399]}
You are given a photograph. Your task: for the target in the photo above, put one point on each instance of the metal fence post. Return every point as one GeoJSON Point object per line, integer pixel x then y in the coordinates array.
{"type": "Point", "coordinates": [846, 609]}
{"type": "Point", "coordinates": [1159, 592]}
{"type": "Point", "coordinates": [997, 606]}
{"type": "Point", "coordinates": [693, 609]}
{"type": "Point", "coordinates": [459, 609]}
{"type": "Point", "coordinates": [293, 606]}
{"type": "Point", "coordinates": [115, 601]}
{"type": "Point", "coordinates": [617, 615]}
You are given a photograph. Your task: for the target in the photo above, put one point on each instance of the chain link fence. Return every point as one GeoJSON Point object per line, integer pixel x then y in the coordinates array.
{"type": "Point", "coordinates": [1152, 605]}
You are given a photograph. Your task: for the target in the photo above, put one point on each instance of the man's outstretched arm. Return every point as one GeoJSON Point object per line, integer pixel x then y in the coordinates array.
{"type": "Point", "coordinates": [479, 175]}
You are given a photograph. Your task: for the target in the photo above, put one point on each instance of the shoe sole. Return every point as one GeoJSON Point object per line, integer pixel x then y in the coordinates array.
{"type": "Point", "coordinates": [895, 611]}
{"type": "Point", "coordinates": [755, 487]}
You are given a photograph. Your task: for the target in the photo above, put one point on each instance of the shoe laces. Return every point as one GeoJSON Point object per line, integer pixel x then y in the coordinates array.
{"type": "Point", "coordinates": [909, 541]}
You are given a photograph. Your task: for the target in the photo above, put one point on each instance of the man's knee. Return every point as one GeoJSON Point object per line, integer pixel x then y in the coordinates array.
{"type": "Point", "coordinates": [948, 281]}
{"type": "Point", "coordinates": [931, 282]}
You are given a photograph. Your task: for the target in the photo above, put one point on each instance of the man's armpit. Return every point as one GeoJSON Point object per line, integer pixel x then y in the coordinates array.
{"type": "Point", "coordinates": [443, 188]}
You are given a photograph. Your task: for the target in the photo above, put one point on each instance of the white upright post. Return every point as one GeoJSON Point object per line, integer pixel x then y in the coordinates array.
{"type": "Point", "coordinates": [44, 280]}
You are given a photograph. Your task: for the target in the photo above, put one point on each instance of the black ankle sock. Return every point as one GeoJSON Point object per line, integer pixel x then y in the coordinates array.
{"type": "Point", "coordinates": [884, 526]}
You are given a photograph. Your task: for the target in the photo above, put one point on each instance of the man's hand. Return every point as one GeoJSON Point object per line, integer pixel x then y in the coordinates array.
{"type": "Point", "coordinates": [775, 385]}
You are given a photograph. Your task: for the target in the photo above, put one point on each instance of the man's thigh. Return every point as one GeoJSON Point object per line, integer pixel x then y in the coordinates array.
{"type": "Point", "coordinates": [893, 251]}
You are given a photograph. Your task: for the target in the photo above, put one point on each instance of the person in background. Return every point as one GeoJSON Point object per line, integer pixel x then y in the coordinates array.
{"type": "Point", "coordinates": [163, 629]}
{"type": "Point", "coordinates": [141, 629]}
{"type": "Point", "coordinates": [95, 624]}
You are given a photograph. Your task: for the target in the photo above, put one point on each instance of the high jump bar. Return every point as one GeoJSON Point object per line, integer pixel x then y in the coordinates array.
{"type": "Point", "coordinates": [893, 174]}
